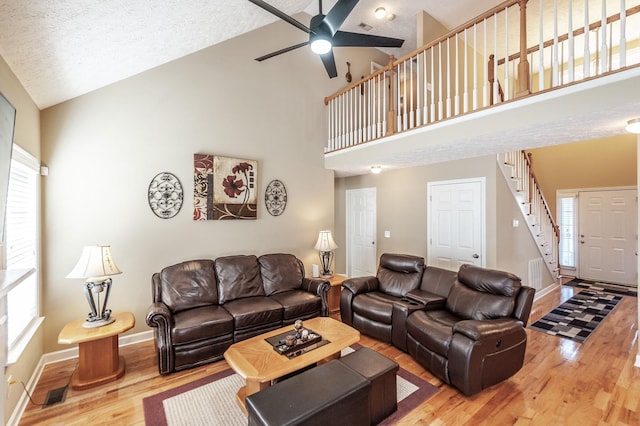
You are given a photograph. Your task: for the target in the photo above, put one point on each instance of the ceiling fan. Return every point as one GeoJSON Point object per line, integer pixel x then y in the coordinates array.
{"type": "Point", "coordinates": [324, 33]}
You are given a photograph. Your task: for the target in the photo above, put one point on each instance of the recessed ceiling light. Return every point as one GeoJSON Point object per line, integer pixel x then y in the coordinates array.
{"type": "Point", "coordinates": [633, 126]}
{"type": "Point", "coordinates": [376, 169]}
{"type": "Point", "coordinates": [380, 13]}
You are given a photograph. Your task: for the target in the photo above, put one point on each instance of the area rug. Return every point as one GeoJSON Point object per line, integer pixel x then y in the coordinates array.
{"type": "Point", "coordinates": [603, 287]}
{"type": "Point", "coordinates": [578, 317]}
{"type": "Point", "coordinates": [211, 401]}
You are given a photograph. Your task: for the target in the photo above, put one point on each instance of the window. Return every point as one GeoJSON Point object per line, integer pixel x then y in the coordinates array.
{"type": "Point", "coordinates": [567, 224]}
{"type": "Point", "coordinates": [21, 243]}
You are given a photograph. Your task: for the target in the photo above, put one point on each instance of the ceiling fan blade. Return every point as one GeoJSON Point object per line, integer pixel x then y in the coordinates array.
{"type": "Point", "coordinates": [281, 51]}
{"type": "Point", "coordinates": [266, 6]}
{"type": "Point", "coordinates": [329, 64]}
{"type": "Point", "coordinates": [347, 39]}
{"type": "Point", "coordinates": [337, 15]}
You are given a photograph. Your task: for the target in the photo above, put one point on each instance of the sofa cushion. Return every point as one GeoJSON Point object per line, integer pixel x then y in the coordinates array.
{"type": "Point", "coordinates": [471, 304]}
{"type": "Point", "coordinates": [398, 274]}
{"type": "Point", "coordinates": [437, 280]}
{"type": "Point", "coordinates": [374, 306]}
{"type": "Point", "coordinates": [250, 312]}
{"type": "Point", "coordinates": [189, 285]}
{"type": "Point", "coordinates": [298, 303]}
{"type": "Point", "coordinates": [280, 272]}
{"type": "Point", "coordinates": [489, 280]}
{"type": "Point", "coordinates": [433, 329]}
{"type": "Point", "coordinates": [238, 276]}
{"type": "Point", "coordinates": [201, 323]}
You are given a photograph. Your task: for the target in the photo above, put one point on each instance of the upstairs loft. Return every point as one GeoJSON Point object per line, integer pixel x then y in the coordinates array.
{"type": "Point", "coordinates": [514, 78]}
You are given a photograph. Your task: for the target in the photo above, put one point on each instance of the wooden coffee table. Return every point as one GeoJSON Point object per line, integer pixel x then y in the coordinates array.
{"type": "Point", "coordinates": [258, 363]}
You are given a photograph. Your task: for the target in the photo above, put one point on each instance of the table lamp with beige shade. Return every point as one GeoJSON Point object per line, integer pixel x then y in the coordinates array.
{"type": "Point", "coordinates": [96, 266]}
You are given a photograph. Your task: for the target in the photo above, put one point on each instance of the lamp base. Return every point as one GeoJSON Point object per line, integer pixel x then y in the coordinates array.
{"type": "Point", "coordinates": [97, 323]}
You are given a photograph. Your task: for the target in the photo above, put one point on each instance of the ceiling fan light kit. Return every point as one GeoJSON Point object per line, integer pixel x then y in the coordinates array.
{"type": "Point", "coordinates": [633, 126]}
{"type": "Point", "coordinates": [320, 44]}
{"type": "Point", "coordinates": [324, 33]}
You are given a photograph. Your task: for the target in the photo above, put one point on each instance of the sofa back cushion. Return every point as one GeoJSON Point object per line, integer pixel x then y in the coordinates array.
{"type": "Point", "coordinates": [438, 281]}
{"type": "Point", "coordinates": [280, 272]}
{"type": "Point", "coordinates": [188, 285]}
{"type": "Point", "coordinates": [398, 274]}
{"type": "Point", "coordinates": [238, 277]}
{"type": "Point", "coordinates": [481, 293]}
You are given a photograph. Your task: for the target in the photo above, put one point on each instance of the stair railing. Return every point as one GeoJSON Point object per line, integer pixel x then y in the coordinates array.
{"type": "Point", "coordinates": [448, 77]}
{"type": "Point", "coordinates": [535, 207]}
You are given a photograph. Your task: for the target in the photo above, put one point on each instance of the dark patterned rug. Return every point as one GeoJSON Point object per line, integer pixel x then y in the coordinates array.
{"type": "Point", "coordinates": [604, 287]}
{"type": "Point", "coordinates": [579, 316]}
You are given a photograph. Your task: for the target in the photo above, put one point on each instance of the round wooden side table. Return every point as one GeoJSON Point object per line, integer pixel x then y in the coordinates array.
{"type": "Point", "coordinates": [98, 358]}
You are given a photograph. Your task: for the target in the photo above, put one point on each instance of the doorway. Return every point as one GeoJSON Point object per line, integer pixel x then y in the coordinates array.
{"type": "Point", "coordinates": [456, 231]}
{"type": "Point", "coordinates": [361, 232]}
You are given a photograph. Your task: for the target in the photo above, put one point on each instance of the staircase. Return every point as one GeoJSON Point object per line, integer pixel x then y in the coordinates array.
{"type": "Point", "coordinates": [516, 168]}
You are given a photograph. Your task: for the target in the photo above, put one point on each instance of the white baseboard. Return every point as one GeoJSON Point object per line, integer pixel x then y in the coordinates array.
{"type": "Point", "coordinates": [545, 290]}
{"type": "Point", "coordinates": [62, 356]}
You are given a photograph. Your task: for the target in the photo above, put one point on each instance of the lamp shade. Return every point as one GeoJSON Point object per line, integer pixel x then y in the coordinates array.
{"type": "Point", "coordinates": [95, 262]}
{"type": "Point", "coordinates": [325, 242]}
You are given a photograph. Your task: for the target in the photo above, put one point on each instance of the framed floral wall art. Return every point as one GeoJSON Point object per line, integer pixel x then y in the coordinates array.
{"type": "Point", "coordinates": [224, 188]}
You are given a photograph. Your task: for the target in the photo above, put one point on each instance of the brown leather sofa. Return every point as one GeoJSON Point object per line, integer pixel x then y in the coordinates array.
{"type": "Point", "coordinates": [478, 338]}
{"type": "Point", "coordinates": [201, 307]}
{"type": "Point", "coordinates": [366, 303]}
{"type": "Point", "coordinates": [467, 328]}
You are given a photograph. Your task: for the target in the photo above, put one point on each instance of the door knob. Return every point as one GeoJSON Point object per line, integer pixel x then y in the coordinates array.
{"type": "Point", "coordinates": [475, 256]}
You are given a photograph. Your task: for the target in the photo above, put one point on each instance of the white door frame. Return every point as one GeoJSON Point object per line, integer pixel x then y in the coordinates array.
{"type": "Point", "coordinates": [349, 227]}
{"type": "Point", "coordinates": [483, 211]}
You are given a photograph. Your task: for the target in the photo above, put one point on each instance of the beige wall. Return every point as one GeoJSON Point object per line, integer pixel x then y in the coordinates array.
{"type": "Point", "coordinates": [104, 148]}
{"type": "Point", "coordinates": [27, 135]}
{"type": "Point", "coordinates": [596, 163]}
{"type": "Point", "coordinates": [401, 197]}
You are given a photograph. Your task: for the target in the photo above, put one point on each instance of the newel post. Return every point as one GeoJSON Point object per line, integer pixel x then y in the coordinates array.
{"type": "Point", "coordinates": [524, 87]}
{"type": "Point", "coordinates": [391, 116]}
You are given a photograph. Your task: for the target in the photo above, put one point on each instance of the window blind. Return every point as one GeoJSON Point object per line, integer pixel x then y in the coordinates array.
{"type": "Point", "coordinates": [21, 241]}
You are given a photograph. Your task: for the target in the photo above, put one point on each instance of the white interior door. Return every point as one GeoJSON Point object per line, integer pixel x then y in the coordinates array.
{"type": "Point", "coordinates": [456, 223]}
{"type": "Point", "coordinates": [608, 236]}
{"type": "Point", "coordinates": [361, 232]}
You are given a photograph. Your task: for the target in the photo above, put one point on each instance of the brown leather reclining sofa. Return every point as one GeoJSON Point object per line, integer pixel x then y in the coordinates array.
{"type": "Point", "coordinates": [467, 328]}
{"type": "Point", "coordinates": [201, 307]}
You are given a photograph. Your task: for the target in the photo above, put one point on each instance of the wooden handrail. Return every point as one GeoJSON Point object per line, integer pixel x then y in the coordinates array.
{"type": "Point", "coordinates": [532, 176]}
{"type": "Point", "coordinates": [431, 44]}
{"type": "Point", "coordinates": [630, 12]}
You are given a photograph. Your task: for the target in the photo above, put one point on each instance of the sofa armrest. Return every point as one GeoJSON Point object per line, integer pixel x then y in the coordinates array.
{"type": "Point", "coordinates": [431, 301]}
{"type": "Point", "coordinates": [320, 287]}
{"type": "Point", "coordinates": [361, 285]}
{"type": "Point", "coordinates": [159, 316]}
{"type": "Point", "coordinates": [316, 285]}
{"type": "Point", "coordinates": [478, 330]}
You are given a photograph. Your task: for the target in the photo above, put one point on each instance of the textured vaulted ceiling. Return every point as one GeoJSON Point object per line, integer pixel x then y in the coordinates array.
{"type": "Point", "coordinates": [60, 49]}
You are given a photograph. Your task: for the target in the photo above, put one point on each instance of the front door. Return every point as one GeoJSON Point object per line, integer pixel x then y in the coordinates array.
{"type": "Point", "coordinates": [456, 223]}
{"type": "Point", "coordinates": [608, 236]}
{"type": "Point", "coordinates": [361, 232]}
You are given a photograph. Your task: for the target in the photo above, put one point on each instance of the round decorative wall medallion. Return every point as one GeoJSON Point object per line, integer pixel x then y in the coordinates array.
{"type": "Point", "coordinates": [275, 197]}
{"type": "Point", "coordinates": [165, 195]}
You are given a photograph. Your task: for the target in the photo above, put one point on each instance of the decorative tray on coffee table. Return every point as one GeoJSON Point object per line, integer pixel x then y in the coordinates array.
{"type": "Point", "coordinates": [279, 342]}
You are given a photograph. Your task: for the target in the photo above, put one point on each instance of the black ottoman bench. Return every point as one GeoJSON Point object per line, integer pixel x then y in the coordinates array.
{"type": "Point", "coordinates": [331, 393]}
{"type": "Point", "coordinates": [381, 372]}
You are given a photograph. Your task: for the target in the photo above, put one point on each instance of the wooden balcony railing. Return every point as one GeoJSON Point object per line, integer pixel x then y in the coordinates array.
{"type": "Point", "coordinates": [517, 49]}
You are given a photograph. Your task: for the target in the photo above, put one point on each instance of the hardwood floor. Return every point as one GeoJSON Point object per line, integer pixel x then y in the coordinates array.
{"type": "Point", "coordinates": [561, 383]}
